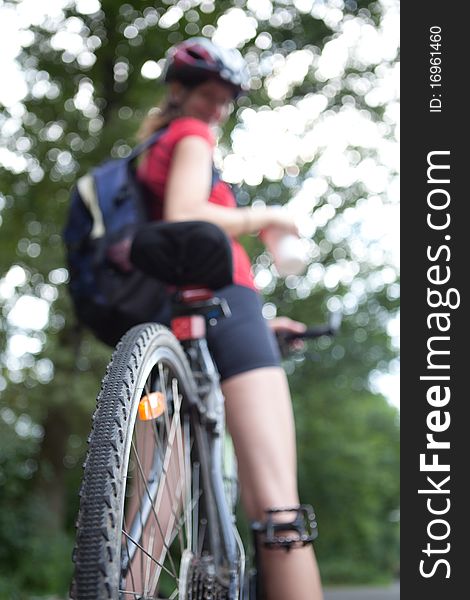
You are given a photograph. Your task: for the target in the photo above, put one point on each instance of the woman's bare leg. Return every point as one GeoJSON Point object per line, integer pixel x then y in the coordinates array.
{"type": "Point", "coordinates": [260, 420]}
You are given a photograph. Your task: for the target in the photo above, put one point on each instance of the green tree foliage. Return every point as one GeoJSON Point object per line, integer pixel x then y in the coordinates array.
{"type": "Point", "coordinates": [85, 98]}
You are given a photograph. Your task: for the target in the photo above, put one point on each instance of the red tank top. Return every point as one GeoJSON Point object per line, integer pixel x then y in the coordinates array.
{"type": "Point", "coordinates": [153, 172]}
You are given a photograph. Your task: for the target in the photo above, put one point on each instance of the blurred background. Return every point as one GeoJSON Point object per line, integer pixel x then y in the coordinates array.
{"type": "Point", "coordinates": [318, 133]}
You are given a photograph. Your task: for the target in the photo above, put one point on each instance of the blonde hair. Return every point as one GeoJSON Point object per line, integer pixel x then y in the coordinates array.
{"type": "Point", "coordinates": [157, 118]}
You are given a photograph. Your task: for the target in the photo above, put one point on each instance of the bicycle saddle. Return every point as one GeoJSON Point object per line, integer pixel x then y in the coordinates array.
{"type": "Point", "coordinates": [184, 253]}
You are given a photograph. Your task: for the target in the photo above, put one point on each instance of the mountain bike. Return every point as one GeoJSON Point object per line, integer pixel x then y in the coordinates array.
{"type": "Point", "coordinates": [159, 491]}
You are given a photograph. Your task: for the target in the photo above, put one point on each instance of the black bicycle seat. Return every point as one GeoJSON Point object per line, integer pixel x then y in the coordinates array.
{"type": "Point", "coordinates": [184, 253]}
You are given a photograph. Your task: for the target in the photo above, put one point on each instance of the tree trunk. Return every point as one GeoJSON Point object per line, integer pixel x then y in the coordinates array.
{"type": "Point", "coordinates": [50, 482]}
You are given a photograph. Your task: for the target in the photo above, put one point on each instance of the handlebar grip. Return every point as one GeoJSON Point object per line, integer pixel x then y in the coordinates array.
{"type": "Point", "coordinates": [311, 333]}
{"type": "Point", "coordinates": [331, 328]}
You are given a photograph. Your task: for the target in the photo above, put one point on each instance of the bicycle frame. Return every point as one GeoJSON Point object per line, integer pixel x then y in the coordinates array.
{"type": "Point", "coordinates": [225, 542]}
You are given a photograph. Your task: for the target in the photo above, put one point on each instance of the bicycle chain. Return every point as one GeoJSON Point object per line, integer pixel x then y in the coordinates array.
{"type": "Point", "coordinates": [203, 583]}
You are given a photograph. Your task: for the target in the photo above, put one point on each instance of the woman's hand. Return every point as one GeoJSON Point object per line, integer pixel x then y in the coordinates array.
{"type": "Point", "coordinates": [268, 219]}
{"type": "Point", "coordinates": [280, 221]}
{"type": "Point", "coordinates": [282, 325]}
{"type": "Point", "coordinates": [286, 325]}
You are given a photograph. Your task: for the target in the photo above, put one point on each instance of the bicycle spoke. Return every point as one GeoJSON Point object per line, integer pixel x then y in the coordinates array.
{"type": "Point", "coordinates": [182, 519]}
{"type": "Point", "coordinates": [140, 512]}
{"type": "Point", "coordinates": [187, 471]}
{"type": "Point", "coordinates": [162, 377]}
{"type": "Point", "coordinates": [180, 456]}
{"type": "Point", "coordinates": [169, 487]}
{"type": "Point", "coordinates": [165, 473]}
{"type": "Point", "coordinates": [151, 557]}
{"type": "Point", "coordinates": [157, 573]}
{"type": "Point", "coordinates": [163, 386]}
{"type": "Point", "coordinates": [196, 506]}
{"type": "Point", "coordinates": [173, 432]}
{"type": "Point", "coordinates": [128, 555]}
{"type": "Point", "coordinates": [138, 481]}
{"type": "Point", "coordinates": [191, 503]}
{"type": "Point", "coordinates": [147, 571]}
{"type": "Point", "coordinates": [151, 500]}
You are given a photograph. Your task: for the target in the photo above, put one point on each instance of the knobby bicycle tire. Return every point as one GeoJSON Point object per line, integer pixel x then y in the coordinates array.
{"type": "Point", "coordinates": [142, 518]}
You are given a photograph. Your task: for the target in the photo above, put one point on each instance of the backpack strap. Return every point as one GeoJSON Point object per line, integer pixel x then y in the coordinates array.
{"type": "Point", "coordinates": [215, 175]}
{"type": "Point", "coordinates": [87, 188]}
{"type": "Point", "coordinates": [145, 145]}
{"type": "Point", "coordinates": [153, 139]}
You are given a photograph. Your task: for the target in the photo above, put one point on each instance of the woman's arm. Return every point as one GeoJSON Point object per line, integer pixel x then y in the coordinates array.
{"type": "Point", "coordinates": [188, 189]}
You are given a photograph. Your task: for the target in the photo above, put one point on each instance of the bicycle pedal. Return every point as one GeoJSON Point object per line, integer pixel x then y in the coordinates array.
{"type": "Point", "coordinates": [303, 526]}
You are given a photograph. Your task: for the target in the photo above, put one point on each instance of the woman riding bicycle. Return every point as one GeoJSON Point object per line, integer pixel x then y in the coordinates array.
{"type": "Point", "coordinates": [203, 80]}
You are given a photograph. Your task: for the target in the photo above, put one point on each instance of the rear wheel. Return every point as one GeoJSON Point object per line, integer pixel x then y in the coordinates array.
{"type": "Point", "coordinates": [142, 529]}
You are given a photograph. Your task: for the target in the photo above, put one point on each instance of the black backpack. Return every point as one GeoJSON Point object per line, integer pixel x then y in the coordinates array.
{"type": "Point", "coordinates": [107, 208]}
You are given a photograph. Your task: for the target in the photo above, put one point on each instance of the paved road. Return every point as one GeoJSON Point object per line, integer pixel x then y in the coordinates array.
{"type": "Point", "coordinates": [388, 593]}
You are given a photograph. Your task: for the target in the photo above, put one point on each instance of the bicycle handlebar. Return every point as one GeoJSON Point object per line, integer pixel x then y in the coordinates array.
{"type": "Point", "coordinates": [330, 329]}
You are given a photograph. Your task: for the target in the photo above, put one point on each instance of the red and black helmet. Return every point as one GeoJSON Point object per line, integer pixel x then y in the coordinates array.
{"type": "Point", "coordinates": [198, 59]}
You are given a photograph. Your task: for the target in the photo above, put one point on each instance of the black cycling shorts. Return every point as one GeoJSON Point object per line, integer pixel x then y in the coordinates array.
{"type": "Point", "coordinates": [243, 341]}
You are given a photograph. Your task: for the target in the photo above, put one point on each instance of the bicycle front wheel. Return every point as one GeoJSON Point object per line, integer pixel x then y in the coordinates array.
{"type": "Point", "coordinates": [142, 528]}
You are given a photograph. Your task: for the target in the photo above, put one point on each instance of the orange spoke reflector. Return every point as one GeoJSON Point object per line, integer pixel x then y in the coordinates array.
{"type": "Point", "coordinates": [151, 406]}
